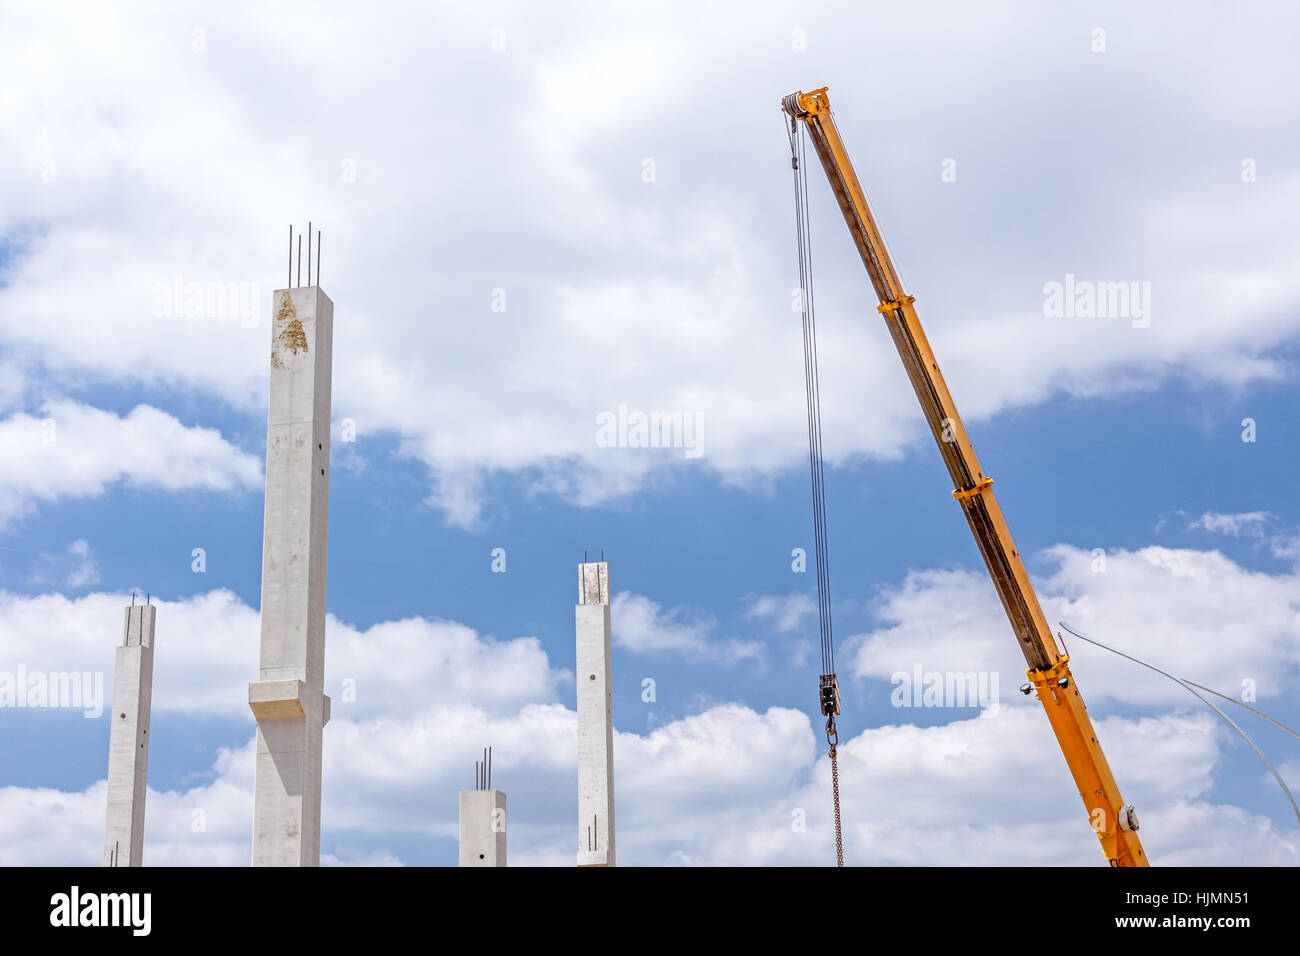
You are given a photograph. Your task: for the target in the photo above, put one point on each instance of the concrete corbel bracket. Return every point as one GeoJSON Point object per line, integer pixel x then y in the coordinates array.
{"type": "Point", "coordinates": [283, 700]}
{"type": "Point", "coordinates": [277, 699]}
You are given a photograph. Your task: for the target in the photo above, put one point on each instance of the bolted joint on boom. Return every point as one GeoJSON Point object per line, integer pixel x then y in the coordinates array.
{"type": "Point", "coordinates": [965, 494]}
{"type": "Point", "coordinates": [893, 305]}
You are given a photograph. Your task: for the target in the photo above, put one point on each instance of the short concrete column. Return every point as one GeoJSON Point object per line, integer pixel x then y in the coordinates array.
{"type": "Point", "coordinates": [128, 740]}
{"type": "Point", "coordinates": [482, 828]}
{"type": "Point", "coordinates": [595, 717]}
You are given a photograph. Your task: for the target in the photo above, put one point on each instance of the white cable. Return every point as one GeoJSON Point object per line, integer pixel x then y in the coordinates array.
{"type": "Point", "coordinates": [1187, 685]}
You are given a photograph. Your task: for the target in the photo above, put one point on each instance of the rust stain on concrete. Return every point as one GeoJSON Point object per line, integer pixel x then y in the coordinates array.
{"type": "Point", "coordinates": [289, 333]}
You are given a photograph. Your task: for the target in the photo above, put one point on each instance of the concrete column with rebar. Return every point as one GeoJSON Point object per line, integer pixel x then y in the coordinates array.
{"type": "Point", "coordinates": [128, 740]}
{"type": "Point", "coordinates": [482, 828]}
{"type": "Point", "coordinates": [595, 717]}
{"type": "Point", "coordinates": [288, 699]}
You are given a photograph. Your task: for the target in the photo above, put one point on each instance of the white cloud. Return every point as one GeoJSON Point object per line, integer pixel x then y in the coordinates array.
{"type": "Point", "coordinates": [787, 612]}
{"type": "Point", "coordinates": [1286, 546]}
{"type": "Point", "coordinates": [640, 625]}
{"type": "Point", "coordinates": [1251, 524]}
{"type": "Point", "coordinates": [86, 570]}
{"type": "Point", "coordinates": [669, 295]}
{"type": "Point", "coordinates": [381, 858]}
{"type": "Point", "coordinates": [722, 786]}
{"type": "Point", "coordinates": [1262, 526]}
{"type": "Point", "coordinates": [74, 450]}
{"type": "Point", "coordinates": [208, 825]}
{"type": "Point", "coordinates": [206, 649]}
{"type": "Point", "coordinates": [1196, 614]}
{"type": "Point", "coordinates": [75, 567]}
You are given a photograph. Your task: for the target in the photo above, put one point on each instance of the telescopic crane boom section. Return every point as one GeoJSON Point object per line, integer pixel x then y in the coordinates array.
{"type": "Point", "coordinates": [1114, 822]}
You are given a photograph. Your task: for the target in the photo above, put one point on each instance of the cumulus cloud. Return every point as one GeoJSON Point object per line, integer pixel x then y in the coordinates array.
{"type": "Point", "coordinates": [207, 825]}
{"type": "Point", "coordinates": [729, 786]}
{"type": "Point", "coordinates": [72, 450]}
{"type": "Point", "coordinates": [1194, 613]}
{"type": "Point", "coordinates": [726, 785]}
{"type": "Point", "coordinates": [641, 254]}
{"type": "Point", "coordinates": [207, 648]}
{"type": "Point", "coordinates": [641, 625]}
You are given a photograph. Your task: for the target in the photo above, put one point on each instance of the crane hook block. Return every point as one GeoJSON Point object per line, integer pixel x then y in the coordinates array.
{"type": "Point", "coordinates": [830, 695]}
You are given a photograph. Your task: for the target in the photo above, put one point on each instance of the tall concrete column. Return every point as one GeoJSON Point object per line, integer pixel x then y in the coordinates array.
{"type": "Point", "coordinates": [482, 828]}
{"type": "Point", "coordinates": [128, 740]}
{"type": "Point", "coordinates": [595, 718]}
{"type": "Point", "coordinates": [288, 698]}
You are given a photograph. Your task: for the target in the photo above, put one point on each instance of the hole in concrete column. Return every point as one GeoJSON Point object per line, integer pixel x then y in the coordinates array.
{"type": "Point", "coordinates": [480, 856]}
{"type": "Point", "coordinates": [593, 676]}
{"type": "Point", "coordinates": [123, 716]}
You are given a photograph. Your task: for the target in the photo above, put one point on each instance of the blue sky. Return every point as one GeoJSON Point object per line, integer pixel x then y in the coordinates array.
{"type": "Point", "coordinates": [476, 428]}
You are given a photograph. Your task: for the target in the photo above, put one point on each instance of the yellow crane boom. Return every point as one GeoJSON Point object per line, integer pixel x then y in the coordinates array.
{"type": "Point", "coordinates": [1114, 821]}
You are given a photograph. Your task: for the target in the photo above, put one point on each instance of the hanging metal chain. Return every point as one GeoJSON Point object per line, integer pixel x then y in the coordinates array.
{"type": "Point", "coordinates": [832, 737]}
